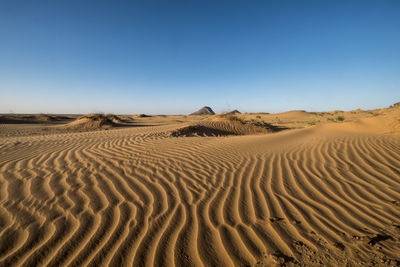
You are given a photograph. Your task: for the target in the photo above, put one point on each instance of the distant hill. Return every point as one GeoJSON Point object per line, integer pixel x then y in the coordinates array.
{"type": "Point", "coordinates": [396, 105]}
{"type": "Point", "coordinates": [234, 112]}
{"type": "Point", "coordinates": [204, 111]}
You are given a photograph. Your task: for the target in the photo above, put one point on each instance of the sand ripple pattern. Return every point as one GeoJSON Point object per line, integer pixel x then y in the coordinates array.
{"type": "Point", "coordinates": [131, 198]}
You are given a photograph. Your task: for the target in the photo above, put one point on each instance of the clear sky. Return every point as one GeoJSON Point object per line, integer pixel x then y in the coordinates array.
{"type": "Point", "coordinates": [173, 57]}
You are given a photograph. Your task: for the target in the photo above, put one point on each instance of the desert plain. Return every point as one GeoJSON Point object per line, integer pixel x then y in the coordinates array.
{"type": "Point", "coordinates": [241, 189]}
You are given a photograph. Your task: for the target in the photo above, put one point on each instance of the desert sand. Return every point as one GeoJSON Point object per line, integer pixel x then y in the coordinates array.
{"type": "Point", "coordinates": [294, 188]}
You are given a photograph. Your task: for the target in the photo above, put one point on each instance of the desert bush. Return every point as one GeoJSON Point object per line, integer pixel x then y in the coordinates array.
{"type": "Point", "coordinates": [340, 118]}
{"type": "Point", "coordinates": [234, 118]}
{"type": "Point", "coordinates": [258, 117]}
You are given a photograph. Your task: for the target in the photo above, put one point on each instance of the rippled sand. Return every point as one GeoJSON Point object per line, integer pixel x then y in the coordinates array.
{"type": "Point", "coordinates": [327, 194]}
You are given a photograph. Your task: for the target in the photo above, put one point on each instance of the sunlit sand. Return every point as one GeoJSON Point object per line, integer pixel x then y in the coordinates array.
{"type": "Point", "coordinates": [203, 190]}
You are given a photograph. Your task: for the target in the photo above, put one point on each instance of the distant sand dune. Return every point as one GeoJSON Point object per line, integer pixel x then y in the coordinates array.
{"type": "Point", "coordinates": [94, 121]}
{"type": "Point", "coordinates": [324, 195]}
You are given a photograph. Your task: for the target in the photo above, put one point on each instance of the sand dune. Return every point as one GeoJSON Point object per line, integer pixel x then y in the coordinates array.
{"type": "Point", "coordinates": [223, 125]}
{"type": "Point", "coordinates": [94, 121]}
{"type": "Point", "coordinates": [327, 194]}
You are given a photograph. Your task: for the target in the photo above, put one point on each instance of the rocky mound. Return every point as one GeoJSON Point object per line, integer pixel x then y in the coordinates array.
{"type": "Point", "coordinates": [143, 116]}
{"type": "Point", "coordinates": [395, 105]}
{"type": "Point", "coordinates": [94, 121]}
{"type": "Point", "coordinates": [204, 111]}
{"type": "Point", "coordinates": [233, 112]}
{"type": "Point", "coordinates": [222, 126]}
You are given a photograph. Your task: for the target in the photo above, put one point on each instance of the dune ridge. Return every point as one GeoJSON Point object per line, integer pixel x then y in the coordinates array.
{"type": "Point", "coordinates": [137, 197]}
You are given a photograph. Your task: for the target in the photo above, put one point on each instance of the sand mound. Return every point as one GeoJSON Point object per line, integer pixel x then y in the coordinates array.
{"type": "Point", "coordinates": [204, 111]}
{"type": "Point", "coordinates": [293, 113]}
{"type": "Point", "coordinates": [94, 121]}
{"type": "Point", "coordinates": [115, 119]}
{"type": "Point", "coordinates": [222, 126]}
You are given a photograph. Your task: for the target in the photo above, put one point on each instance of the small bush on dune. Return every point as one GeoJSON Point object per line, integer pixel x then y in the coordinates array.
{"type": "Point", "coordinates": [340, 118]}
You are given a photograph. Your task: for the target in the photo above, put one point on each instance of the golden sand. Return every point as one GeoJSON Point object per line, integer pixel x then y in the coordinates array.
{"type": "Point", "coordinates": [323, 192]}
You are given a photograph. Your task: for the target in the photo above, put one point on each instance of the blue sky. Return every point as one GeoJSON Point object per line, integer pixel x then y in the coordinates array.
{"type": "Point", "coordinates": [173, 57]}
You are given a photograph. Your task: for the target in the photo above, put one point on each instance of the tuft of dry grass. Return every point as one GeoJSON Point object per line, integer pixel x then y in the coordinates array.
{"type": "Point", "coordinates": [231, 117]}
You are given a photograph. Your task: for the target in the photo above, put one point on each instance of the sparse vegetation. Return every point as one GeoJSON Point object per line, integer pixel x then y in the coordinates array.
{"type": "Point", "coordinates": [313, 122]}
{"type": "Point", "coordinates": [258, 117]}
{"type": "Point", "coordinates": [373, 113]}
